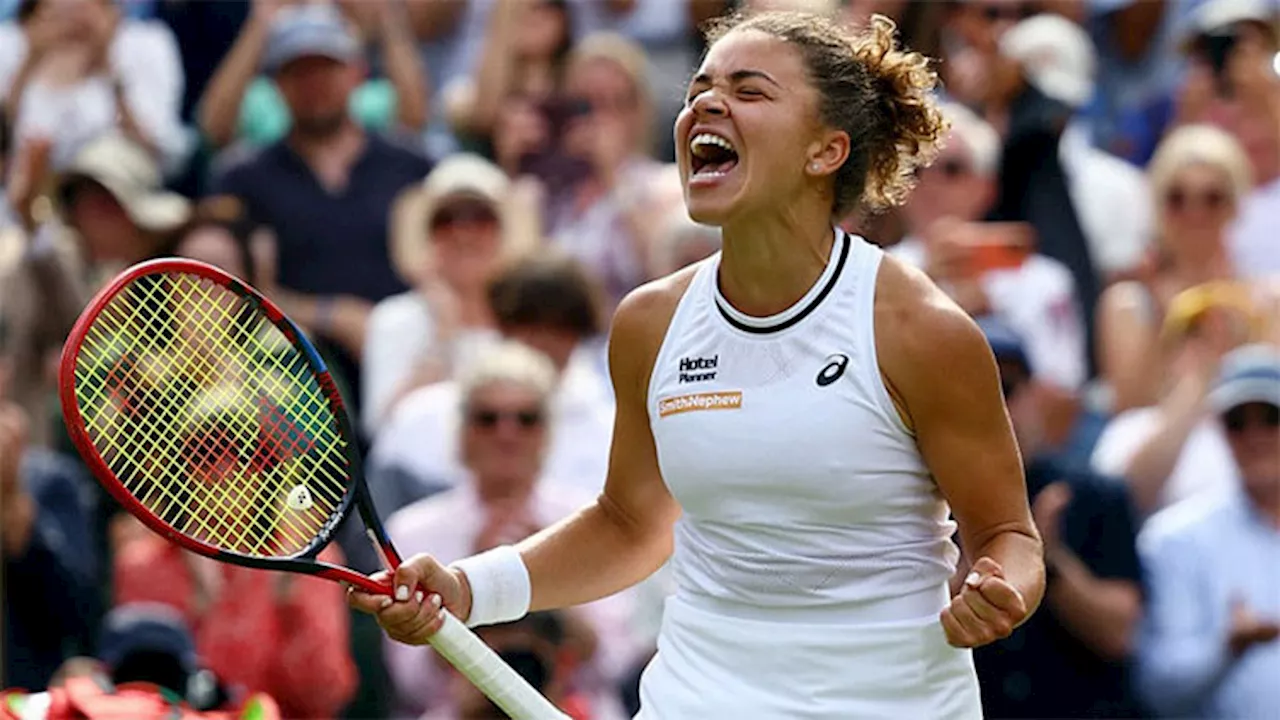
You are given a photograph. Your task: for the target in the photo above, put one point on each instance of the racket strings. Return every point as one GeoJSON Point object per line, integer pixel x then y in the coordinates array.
{"type": "Point", "coordinates": [210, 417]}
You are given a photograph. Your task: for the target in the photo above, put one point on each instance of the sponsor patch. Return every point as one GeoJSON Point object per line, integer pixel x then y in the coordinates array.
{"type": "Point", "coordinates": [724, 400]}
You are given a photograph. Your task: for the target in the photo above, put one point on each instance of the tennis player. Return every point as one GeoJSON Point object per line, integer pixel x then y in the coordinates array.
{"type": "Point", "coordinates": [796, 416]}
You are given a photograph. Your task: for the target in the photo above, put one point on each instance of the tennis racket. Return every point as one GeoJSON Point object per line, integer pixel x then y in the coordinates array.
{"type": "Point", "coordinates": [208, 415]}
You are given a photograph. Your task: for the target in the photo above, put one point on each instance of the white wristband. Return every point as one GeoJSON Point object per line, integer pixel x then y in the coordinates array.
{"type": "Point", "coordinates": [500, 587]}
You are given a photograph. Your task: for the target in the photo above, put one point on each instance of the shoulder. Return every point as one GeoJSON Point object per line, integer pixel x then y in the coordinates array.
{"type": "Point", "coordinates": [404, 311]}
{"type": "Point", "coordinates": [1181, 527]}
{"type": "Point", "coordinates": [144, 36]}
{"type": "Point", "coordinates": [238, 166]}
{"type": "Point", "coordinates": [918, 326]}
{"type": "Point", "coordinates": [406, 152]}
{"type": "Point", "coordinates": [644, 313]}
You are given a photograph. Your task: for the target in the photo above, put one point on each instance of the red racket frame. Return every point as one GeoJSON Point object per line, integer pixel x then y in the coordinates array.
{"type": "Point", "coordinates": [357, 492]}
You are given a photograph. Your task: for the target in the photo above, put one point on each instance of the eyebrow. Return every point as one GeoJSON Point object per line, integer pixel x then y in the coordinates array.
{"type": "Point", "coordinates": [738, 76]}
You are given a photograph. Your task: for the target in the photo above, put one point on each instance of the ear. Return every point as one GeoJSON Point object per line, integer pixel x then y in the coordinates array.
{"type": "Point", "coordinates": [826, 155]}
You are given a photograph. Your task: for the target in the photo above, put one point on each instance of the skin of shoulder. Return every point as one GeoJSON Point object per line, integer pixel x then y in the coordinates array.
{"type": "Point", "coordinates": [639, 327]}
{"type": "Point", "coordinates": [942, 375]}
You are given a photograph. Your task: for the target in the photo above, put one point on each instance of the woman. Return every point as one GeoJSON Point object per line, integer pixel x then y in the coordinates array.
{"type": "Point", "coordinates": [1199, 177]}
{"type": "Point", "coordinates": [449, 236]}
{"type": "Point", "coordinates": [798, 411]}
{"type": "Point", "coordinates": [506, 399]}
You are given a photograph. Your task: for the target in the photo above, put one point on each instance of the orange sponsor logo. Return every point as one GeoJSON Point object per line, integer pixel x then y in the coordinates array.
{"type": "Point", "coordinates": [728, 400]}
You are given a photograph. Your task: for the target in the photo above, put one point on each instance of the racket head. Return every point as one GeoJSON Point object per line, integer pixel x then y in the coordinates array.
{"type": "Point", "coordinates": [213, 465]}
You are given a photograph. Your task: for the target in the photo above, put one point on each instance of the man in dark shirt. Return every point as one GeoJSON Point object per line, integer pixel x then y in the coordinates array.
{"type": "Point", "coordinates": [1070, 660]}
{"type": "Point", "coordinates": [327, 189]}
{"type": "Point", "coordinates": [50, 603]}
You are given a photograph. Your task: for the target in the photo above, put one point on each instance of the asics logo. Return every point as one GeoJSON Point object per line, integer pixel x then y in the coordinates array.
{"type": "Point", "coordinates": [834, 368]}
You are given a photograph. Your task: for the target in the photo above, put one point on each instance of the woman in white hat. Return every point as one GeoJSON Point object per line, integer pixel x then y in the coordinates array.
{"type": "Point", "coordinates": [447, 236]}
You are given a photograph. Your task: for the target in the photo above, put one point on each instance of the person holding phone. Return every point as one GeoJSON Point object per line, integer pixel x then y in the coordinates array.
{"type": "Point", "coordinates": [992, 268]}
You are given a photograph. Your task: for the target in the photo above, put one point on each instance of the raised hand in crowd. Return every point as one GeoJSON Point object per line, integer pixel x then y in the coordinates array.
{"type": "Point", "coordinates": [1248, 630]}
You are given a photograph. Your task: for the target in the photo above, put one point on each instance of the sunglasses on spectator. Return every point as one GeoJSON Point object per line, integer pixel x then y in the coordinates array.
{"type": "Point", "coordinates": [1179, 199]}
{"type": "Point", "coordinates": [489, 418]}
{"type": "Point", "coordinates": [463, 213]}
{"type": "Point", "coordinates": [1262, 415]}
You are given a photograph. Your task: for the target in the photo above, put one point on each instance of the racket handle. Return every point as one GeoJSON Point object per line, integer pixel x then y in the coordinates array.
{"type": "Point", "coordinates": [495, 678]}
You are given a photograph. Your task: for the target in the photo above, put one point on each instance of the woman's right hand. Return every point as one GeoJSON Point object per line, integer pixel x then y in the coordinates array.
{"type": "Point", "coordinates": [422, 587]}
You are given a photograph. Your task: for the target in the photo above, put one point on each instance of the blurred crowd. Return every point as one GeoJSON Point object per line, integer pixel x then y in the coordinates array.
{"type": "Point", "coordinates": [451, 196]}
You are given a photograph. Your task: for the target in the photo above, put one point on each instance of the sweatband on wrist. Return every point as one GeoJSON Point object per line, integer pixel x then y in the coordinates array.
{"type": "Point", "coordinates": [500, 587]}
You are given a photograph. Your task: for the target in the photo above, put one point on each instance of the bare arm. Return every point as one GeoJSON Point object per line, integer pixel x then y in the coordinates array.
{"type": "Point", "coordinates": [965, 436]}
{"type": "Point", "coordinates": [494, 75]}
{"type": "Point", "coordinates": [614, 543]}
{"type": "Point", "coordinates": [1127, 346]}
{"type": "Point", "coordinates": [1102, 613]}
{"type": "Point", "coordinates": [625, 536]}
{"type": "Point", "coordinates": [218, 113]}
{"type": "Point", "coordinates": [403, 66]}
{"type": "Point", "coordinates": [1156, 459]}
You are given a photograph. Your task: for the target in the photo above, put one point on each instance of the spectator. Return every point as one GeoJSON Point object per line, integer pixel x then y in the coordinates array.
{"type": "Point", "coordinates": [1232, 82]}
{"type": "Point", "coordinates": [71, 71]}
{"type": "Point", "coordinates": [241, 104]}
{"type": "Point", "coordinates": [1037, 185]}
{"type": "Point", "coordinates": [221, 234]}
{"type": "Point", "coordinates": [595, 219]}
{"type": "Point", "coordinates": [524, 55]}
{"type": "Point", "coordinates": [448, 237]}
{"type": "Point", "coordinates": [49, 571]}
{"type": "Point", "coordinates": [1199, 178]}
{"type": "Point", "coordinates": [327, 188]}
{"type": "Point", "coordinates": [548, 303]}
{"type": "Point", "coordinates": [505, 398]}
{"type": "Point", "coordinates": [1030, 291]}
{"type": "Point", "coordinates": [1071, 659]}
{"type": "Point", "coordinates": [1175, 450]}
{"type": "Point", "coordinates": [259, 631]}
{"type": "Point", "coordinates": [112, 196]}
{"type": "Point", "coordinates": [1209, 647]}
{"type": "Point", "coordinates": [1109, 194]}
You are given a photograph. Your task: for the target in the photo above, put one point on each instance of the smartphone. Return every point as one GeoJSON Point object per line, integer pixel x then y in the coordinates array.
{"type": "Point", "coordinates": [1000, 246]}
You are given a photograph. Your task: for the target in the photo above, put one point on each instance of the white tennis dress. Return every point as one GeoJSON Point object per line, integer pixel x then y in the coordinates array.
{"type": "Point", "coordinates": [813, 555]}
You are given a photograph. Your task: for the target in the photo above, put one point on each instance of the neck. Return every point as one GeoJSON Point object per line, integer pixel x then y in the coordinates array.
{"type": "Point", "coordinates": [504, 491]}
{"type": "Point", "coordinates": [768, 264]}
{"type": "Point", "coordinates": [473, 308]}
{"type": "Point", "coordinates": [345, 141]}
{"type": "Point", "coordinates": [1208, 262]}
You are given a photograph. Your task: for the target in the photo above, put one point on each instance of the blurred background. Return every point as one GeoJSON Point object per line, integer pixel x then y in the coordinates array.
{"type": "Point", "coordinates": [451, 196]}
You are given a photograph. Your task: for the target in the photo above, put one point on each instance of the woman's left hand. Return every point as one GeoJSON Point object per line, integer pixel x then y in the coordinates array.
{"type": "Point", "coordinates": [987, 609]}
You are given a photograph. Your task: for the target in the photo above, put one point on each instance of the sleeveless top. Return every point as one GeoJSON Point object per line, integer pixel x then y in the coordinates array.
{"type": "Point", "coordinates": [804, 495]}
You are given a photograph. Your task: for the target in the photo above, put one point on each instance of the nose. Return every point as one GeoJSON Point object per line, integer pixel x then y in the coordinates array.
{"type": "Point", "coordinates": [709, 102]}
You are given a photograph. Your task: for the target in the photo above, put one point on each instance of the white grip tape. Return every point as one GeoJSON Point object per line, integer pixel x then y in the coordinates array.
{"type": "Point", "coordinates": [496, 679]}
{"type": "Point", "coordinates": [500, 588]}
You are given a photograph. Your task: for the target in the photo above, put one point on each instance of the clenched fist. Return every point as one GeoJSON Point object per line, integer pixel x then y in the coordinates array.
{"type": "Point", "coordinates": [986, 610]}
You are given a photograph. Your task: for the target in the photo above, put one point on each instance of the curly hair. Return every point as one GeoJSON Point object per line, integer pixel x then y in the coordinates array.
{"type": "Point", "coordinates": [871, 88]}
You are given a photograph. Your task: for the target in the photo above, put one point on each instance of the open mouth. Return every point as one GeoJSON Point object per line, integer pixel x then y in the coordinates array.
{"type": "Point", "coordinates": [712, 156]}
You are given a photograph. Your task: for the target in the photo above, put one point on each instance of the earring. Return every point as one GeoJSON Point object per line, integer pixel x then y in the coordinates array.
{"type": "Point", "coordinates": [813, 167]}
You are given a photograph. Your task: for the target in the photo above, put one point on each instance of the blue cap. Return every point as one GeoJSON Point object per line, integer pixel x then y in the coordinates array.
{"type": "Point", "coordinates": [309, 31]}
{"type": "Point", "coordinates": [1248, 374]}
{"type": "Point", "coordinates": [147, 627]}
{"type": "Point", "coordinates": [1006, 344]}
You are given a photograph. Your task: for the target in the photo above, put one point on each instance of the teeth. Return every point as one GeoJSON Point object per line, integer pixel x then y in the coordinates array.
{"type": "Point", "coordinates": [702, 140]}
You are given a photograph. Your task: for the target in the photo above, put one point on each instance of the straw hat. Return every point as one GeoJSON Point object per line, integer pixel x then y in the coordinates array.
{"type": "Point", "coordinates": [462, 175]}
{"type": "Point", "coordinates": [132, 177]}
